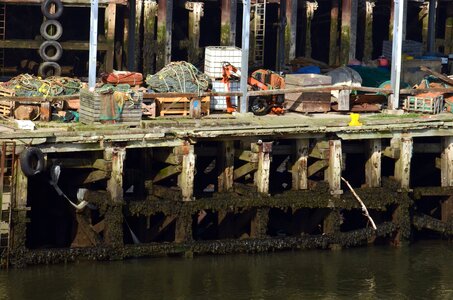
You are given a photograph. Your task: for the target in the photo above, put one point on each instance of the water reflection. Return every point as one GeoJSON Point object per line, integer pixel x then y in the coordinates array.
{"type": "Point", "coordinates": [422, 271]}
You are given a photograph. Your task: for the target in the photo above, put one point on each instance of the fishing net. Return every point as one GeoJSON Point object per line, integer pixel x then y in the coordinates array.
{"type": "Point", "coordinates": [114, 99]}
{"type": "Point", "coordinates": [26, 85]}
{"type": "Point", "coordinates": [181, 77]}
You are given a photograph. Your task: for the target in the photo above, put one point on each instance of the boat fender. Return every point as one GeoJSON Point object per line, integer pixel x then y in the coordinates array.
{"type": "Point", "coordinates": [45, 9]}
{"type": "Point", "coordinates": [47, 66]}
{"type": "Point", "coordinates": [50, 44]}
{"type": "Point", "coordinates": [31, 161]}
{"type": "Point", "coordinates": [44, 30]}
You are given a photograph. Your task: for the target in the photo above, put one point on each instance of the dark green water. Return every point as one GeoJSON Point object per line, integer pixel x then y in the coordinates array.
{"type": "Point", "coordinates": [421, 271]}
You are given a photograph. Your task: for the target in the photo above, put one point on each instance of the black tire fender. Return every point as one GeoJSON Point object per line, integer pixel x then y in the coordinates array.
{"type": "Point", "coordinates": [45, 66]}
{"type": "Point", "coordinates": [47, 44]}
{"type": "Point", "coordinates": [45, 9]}
{"type": "Point", "coordinates": [58, 32]}
{"type": "Point", "coordinates": [31, 161]}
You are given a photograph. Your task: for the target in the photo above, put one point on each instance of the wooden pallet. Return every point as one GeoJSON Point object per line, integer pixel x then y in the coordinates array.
{"type": "Point", "coordinates": [6, 108]}
{"type": "Point", "coordinates": [180, 106]}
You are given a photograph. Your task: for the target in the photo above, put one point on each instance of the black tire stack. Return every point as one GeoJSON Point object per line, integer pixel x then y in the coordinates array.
{"type": "Point", "coordinates": [51, 38]}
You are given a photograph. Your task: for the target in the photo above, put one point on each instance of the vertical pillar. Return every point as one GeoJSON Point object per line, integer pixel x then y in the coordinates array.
{"type": "Point", "coordinates": [368, 51]}
{"type": "Point", "coordinates": [311, 7]}
{"type": "Point", "coordinates": [290, 30]}
{"type": "Point", "coordinates": [183, 230]}
{"type": "Point", "coordinates": [137, 39]}
{"type": "Point", "coordinates": [300, 167]}
{"type": "Point", "coordinates": [149, 24]}
{"type": "Point", "coordinates": [164, 33]}
{"type": "Point", "coordinates": [19, 203]}
{"type": "Point", "coordinates": [334, 170]}
{"type": "Point", "coordinates": [346, 6]}
{"type": "Point", "coordinates": [228, 22]}
{"type": "Point", "coordinates": [110, 21]}
{"type": "Point", "coordinates": [391, 20]}
{"type": "Point", "coordinates": [447, 210]}
{"type": "Point", "coordinates": [333, 52]}
{"type": "Point", "coordinates": [373, 164]}
{"type": "Point", "coordinates": [448, 35]}
{"type": "Point", "coordinates": [115, 183]}
{"type": "Point", "coordinates": [264, 163]}
{"type": "Point", "coordinates": [403, 163]}
{"type": "Point", "coordinates": [432, 25]}
{"type": "Point", "coordinates": [226, 160]}
{"type": "Point", "coordinates": [258, 225]}
{"type": "Point", "coordinates": [186, 178]}
{"type": "Point", "coordinates": [195, 14]}
{"type": "Point", "coordinates": [446, 169]}
{"type": "Point", "coordinates": [423, 17]}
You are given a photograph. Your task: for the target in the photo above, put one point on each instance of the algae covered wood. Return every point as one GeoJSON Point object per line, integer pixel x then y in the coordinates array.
{"type": "Point", "coordinates": [373, 163]}
{"type": "Point", "coordinates": [300, 167]}
{"type": "Point", "coordinates": [403, 163]}
{"type": "Point", "coordinates": [186, 178]}
{"type": "Point", "coordinates": [226, 163]}
{"type": "Point", "coordinates": [115, 183]}
{"type": "Point", "coordinates": [334, 170]}
{"type": "Point", "coordinates": [261, 178]}
{"type": "Point", "coordinates": [446, 170]}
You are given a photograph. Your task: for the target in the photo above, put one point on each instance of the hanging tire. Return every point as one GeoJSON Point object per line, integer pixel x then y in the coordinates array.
{"type": "Point", "coordinates": [47, 66]}
{"type": "Point", "coordinates": [45, 9]}
{"type": "Point", "coordinates": [45, 46]}
{"type": "Point", "coordinates": [259, 106]}
{"type": "Point", "coordinates": [45, 30]}
{"type": "Point", "coordinates": [31, 161]}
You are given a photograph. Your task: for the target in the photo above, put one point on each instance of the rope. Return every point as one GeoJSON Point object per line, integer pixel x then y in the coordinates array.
{"type": "Point", "coordinates": [181, 77]}
{"type": "Point", "coordinates": [26, 85]}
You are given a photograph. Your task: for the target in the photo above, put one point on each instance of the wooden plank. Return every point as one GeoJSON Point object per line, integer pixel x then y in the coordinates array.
{"type": "Point", "coordinates": [164, 192]}
{"type": "Point", "coordinates": [186, 178]}
{"type": "Point", "coordinates": [446, 170]}
{"type": "Point", "coordinates": [66, 2]}
{"type": "Point", "coordinates": [167, 157]}
{"type": "Point", "coordinates": [403, 163]}
{"type": "Point", "coordinates": [373, 163]}
{"type": "Point", "coordinates": [334, 170]}
{"type": "Point", "coordinates": [300, 166]}
{"type": "Point", "coordinates": [96, 176]}
{"type": "Point", "coordinates": [34, 44]}
{"type": "Point", "coordinates": [343, 100]}
{"type": "Point", "coordinates": [246, 155]}
{"type": "Point", "coordinates": [244, 170]}
{"type": "Point", "coordinates": [261, 178]}
{"type": "Point", "coordinates": [226, 163]}
{"type": "Point", "coordinates": [167, 172]}
{"type": "Point", "coordinates": [317, 166]}
{"type": "Point", "coordinates": [45, 112]}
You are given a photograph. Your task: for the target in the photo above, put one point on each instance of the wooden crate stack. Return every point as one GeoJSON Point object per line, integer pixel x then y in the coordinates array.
{"type": "Point", "coordinates": [307, 102]}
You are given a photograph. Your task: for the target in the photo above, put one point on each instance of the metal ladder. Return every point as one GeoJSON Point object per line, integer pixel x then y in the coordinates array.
{"type": "Point", "coordinates": [2, 35]}
{"type": "Point", "coordinates": [258, 27]}
{"type": "Point", "coordinates": [7, 159]}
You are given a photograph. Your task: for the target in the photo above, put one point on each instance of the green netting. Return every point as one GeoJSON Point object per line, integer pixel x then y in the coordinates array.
{"type": "Point", "coordinates": [113, 99]}
{"type": "Point", "coordinates": [26, 85]}
{"type": "Point", "coordinates": [181, 77]}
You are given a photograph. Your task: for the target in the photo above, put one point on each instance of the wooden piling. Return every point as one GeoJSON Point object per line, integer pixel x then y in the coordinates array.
{"type": "Point", "coordinates": [290, 30]}
{"type": "Point", "coordinates": [446, 171]}
{"type": "Point", "coordinates": [261, 178]}
{"type": "Point", "coordinates": [195, 14]}
{"type": "Point", "coordinates": [311, 7]}
{"type": "Point", "coordinates": [334, 170]}
{"type": "Point", "coordinates": [186, 178]}
{"type": "Point", "coordinates": [368, 51]}
{"type": "Point", "coordinates": [110, 21]}
{"type": "Point", "coordinates": [373, 163]}
{"type": "Point", "coordinates": [258, 225]}
{"type": "Point", "coordinates": [228, 22]}
{"type": "Point", "coordinates": [137, 34]}
{"type": "Point", "coordinates": [149, 38]}
{"type": "Point", "coordinates": [19, 203]}
{"type": "Point", "coordinates": [345, 37]}
{"type": "Point", "coordinates": [403, 163]}
{"type": "Point", "coordinates": [300, 166]}
{"type": "Point", "coordinates": [115, 183]}
{"type": "Point", "coordinates": [226, 163]}
{"type": "Point", "coordinates": [164, 33]}
{"type": "Point", "coordinates": [333, 52]}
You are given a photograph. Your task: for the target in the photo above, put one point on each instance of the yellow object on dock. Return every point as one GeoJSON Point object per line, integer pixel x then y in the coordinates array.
{"type": "Point", "coordinates": [355, 120]}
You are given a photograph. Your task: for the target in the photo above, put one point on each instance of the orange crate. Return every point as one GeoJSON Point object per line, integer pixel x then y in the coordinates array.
{"type": "Point", "coordinates": [180, 106]}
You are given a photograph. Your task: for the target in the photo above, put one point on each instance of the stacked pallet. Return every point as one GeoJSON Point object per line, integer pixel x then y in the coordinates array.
{"type": "Point", "coordinates": [183, 106]}
{"type": "Point", "coordinates": [307, 102]}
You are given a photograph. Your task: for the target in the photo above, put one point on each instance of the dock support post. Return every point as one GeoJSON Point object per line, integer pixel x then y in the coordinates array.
{"type": "Point", "coordinates": [228, 23]}
{"type": "Point", "coordinates": [19, 203]}
{"type": "Point", "coordinates": [164, 33]}
{"type": "Point", "coordinates": [446, 171]}
{"type": "Point", "coordinates": [186, 178]}
{"type": "Point", "coordinates": [368, 51]}
{"type": "Point", "coordinates": [373, 164]}
{"type": "Point", "coordinates": [149, 39]}
{"type": "Point", "coordinates": [258, 226]}
{"type": "Point", "coordinates": [331, 225]}
{"type": "Point", "coordinates": [348, 30]}
{"type": "Point", "coordinates": [137, 40]}
{"type": "Point", "coordinates": [334, 170]}
{"type": "Point", "coordinates": [300, 167]}
{"type": "Point", "coordinates": [183, 231]}
{"type": "Point", "coordinates": [195, 14]}
{"type": "Point", "coordinates": [110, 20]}
{"type": "Point", "coordinates": [311, 7]}
{"type": "Point", "coordinates": [403, 163]}
{"type": "Point", "coordinates": [226, 159]}
{"type": "Point", "coordinates": [333, 52]}
{"type": "Point", "coordinates": [261, 179]}
{"type": "Point", "coordinates": [291, 30]}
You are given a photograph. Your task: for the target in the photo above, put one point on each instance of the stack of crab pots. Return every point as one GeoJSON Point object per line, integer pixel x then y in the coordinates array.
{"type": "Point", "coordinates": [51, 30]}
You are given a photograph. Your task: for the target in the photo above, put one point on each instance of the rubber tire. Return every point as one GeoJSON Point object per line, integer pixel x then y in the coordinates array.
{"type": "Point", "coordinates": [31, 161]}
{"type": "Point", "coordinates": [45, 9]}
{"type": "Point", "coordinates": [58, 33]}
{"type": "Point", "coordinates": [45, 45]}
{"type": "Point", "coordinates": [259, 106]}
{"type": "Point", "coordinates": [49, 64]}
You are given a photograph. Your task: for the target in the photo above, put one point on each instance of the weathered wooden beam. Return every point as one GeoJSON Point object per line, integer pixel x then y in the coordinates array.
{"type": "Point", "coordinates": [149, 39]}
{"type": "Point", "coordinates": [258, 225]}
{"type": "Point", "coordinates": [261, 178]}
{"type": "Point", "coordinates": [196, 12]}
{"type": "Point", "coordinates": [317, 166]}
{"type": "Point", "coordinates": [85, 236]}
{"type": "Point", "coordinates": [373, 163]}
{"type": "Point", "coordinates": [186, 178]}
{"type": "Point", "coordinates": [345, 37]}
{"type": "Point", "coordinates": [34, 44]}
{"type": "Point", "coordinates": [137, 33]}
{"type": "Point", "coordinates": [167, 157]}
{"type": "Point", "coordinates": [228, 22]}
{"type": "Point", "coordinates": [300, 166]}
{"type": "Point", "coordinates": [334, 170]}
{"type": "Point", "coordinates": [447, 209]}
{"type": "Point", "coordinates": [403, 163]}
{"type": "Point", "coordinates": [226, 163]}
{"type": "Point", "coordinates": [244, 170]}
{"type": "Point", "coordinates": [343, 100]}
{"type": "Point", "coordinates": [290, 30]}
{"type": "Point", "coordinates": [164, 192]}
{"type": "Point", "coordinates": [19, 202]}
{"type": "Point", "coordinates": [66, 2]}
{"type": "Point", "coordinates": [109, 24]}
{"type": "Point", "coordinates": [167, 172]}
{"type": "Point", "coordinates": [246, 155]}
{"type": "Point", "coordinates": [115, 183]}
{"type": "Point", "coordinates": [446, 171]}
{"type": "Point", "coordinates": [333, 51]}
{"type": "Point", "coordinates": [183, 232]}
{"type": "Point", "coordinates": [368, 51]}
{"type": "Point", "coordinates": [96, 176]}
{"type": "Point", "coordinates": [320, 150]}
{"type": "Point", "coordinates": [164, 33]}
{"type": "Point", "coordinates": [311, 7]}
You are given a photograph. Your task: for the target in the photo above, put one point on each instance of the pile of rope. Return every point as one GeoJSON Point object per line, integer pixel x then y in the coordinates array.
{"type": "Point", "coordinates": [26, 85]}
{"type": "Point", "coordinates": [181, 77]}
